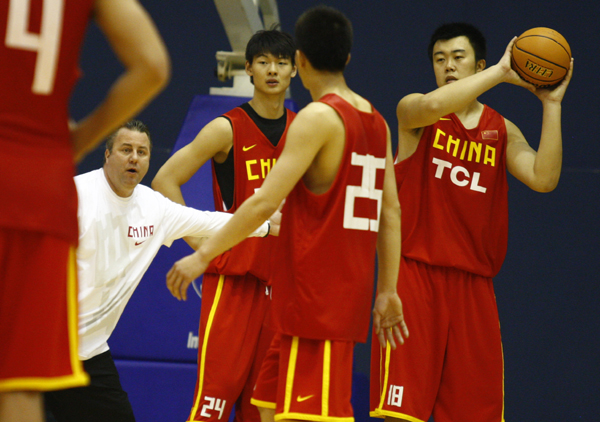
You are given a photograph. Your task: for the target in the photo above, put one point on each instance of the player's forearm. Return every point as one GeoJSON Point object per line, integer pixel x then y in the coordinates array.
{"type": "Point", "coordinates": [167, 186]}
{"type": "Point", "coordinates": [548, 161]}
{"type": "Point", "coordinates": [251, 215]}
{"type": "Point", "coordinates": [458, 95]}
{"type": "Point", "coordinates": [388, 251]}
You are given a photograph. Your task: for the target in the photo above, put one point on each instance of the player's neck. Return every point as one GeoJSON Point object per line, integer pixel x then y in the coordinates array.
{"type": "Point", "coordinates": [268, 106]}
{"type": "Point", "coordinates": [470, 115]}
{"type": "Point", "coordinates": [323, 83]}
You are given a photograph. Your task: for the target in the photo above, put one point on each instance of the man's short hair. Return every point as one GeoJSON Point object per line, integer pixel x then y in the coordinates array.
{"type": "Point", "coordinates": [324, 36]}
{"type": "Point", "coordinates": [134, 125]}
{"type": "Point", "coordinates": [271, 41]}
{"type": "Point", "coordinates": [457, 29]}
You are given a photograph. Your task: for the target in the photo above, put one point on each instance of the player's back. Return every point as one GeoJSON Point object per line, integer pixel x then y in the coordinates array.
{"type": "Point", "coordinates": [328, 239]}
{"type": "Point", "coordinates": [39, 57]}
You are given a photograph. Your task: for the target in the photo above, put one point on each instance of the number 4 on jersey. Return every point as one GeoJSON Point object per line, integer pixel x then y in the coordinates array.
{"type": "Point", "coordinates": [369, 165]}
{"type": "Point", "coordinates": [46, 43]}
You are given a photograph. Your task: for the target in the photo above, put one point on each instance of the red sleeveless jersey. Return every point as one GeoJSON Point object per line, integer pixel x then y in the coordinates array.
{"type": "Point", "coordinates": [254, 156]}
{"type": "Point", "coordinates": [39, 54]}
{"type": "Point", "coordinates": [454, 195]}
{"type": "Point", "coordinates": [323, 280]}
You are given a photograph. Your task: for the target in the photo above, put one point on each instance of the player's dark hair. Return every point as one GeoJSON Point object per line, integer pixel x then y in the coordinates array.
{"type": "Point", "coordinates": [324, 35]}
{"type": "Point", "coordinates": [457, 29]}
{"type": "Point", "coordinates": [271, 41]}
{"type": "Point", "coordinates": [134, 125]}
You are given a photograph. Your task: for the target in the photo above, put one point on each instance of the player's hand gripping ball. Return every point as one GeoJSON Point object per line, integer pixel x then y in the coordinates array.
{"type": "Point", "coordinates": [541, 56]}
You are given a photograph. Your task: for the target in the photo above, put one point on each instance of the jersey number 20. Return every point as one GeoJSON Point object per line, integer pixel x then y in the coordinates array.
{"type": "Point", "coordinates": [46, 43]}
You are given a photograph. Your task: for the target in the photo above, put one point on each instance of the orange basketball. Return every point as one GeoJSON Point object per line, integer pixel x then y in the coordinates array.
{"type": "Point", "coordinates": [541, 56]}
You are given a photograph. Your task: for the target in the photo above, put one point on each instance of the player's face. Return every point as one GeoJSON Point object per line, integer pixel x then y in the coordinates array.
{"type": "Point", "coordinates": [454, 59]}
{"type": "Point", "coordinates": [128, 162]}
{"type": "Point", "coordinates": [271, 75]}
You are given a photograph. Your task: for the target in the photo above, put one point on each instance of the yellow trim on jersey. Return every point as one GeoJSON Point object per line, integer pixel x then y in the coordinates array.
{"type": "Point", "coordinates": [44, 384]}
{"type": "Point", "coordinates": [386, 369]}
{"type": "Point", "coordinates": [305, 417]}
{"type": "Point", "coordinates": [265, 404]}
{"type": "Point", "coordinates": [503, 393]}
{"type": "Point", "coordinates": [73, 320]}
{"type": "Point", "coordinates": [202, 363]}
{"type": "Point", "coordinates": [78, 377]}
{"type": "Point", "coordinates": [289, 382]}
{"type": "Point", "coordinates": [326, 378]}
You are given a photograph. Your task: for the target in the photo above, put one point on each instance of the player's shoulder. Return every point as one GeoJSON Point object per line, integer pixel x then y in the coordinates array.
{"type": "Point", "coordinates": [218, 130]}
{"type": "Point", "coordinates": [321, 112]}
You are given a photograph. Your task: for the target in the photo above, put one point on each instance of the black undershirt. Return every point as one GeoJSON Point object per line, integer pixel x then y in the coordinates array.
{"type": "Point", "coordinates": [272, 129]}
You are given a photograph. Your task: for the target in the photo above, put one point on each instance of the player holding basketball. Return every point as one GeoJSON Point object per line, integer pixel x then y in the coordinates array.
{"type": "Point", "coordinates": [243, 145]}
{"type": "Point", "coordinates": [453, 153]}
{"type": "Point", "coordinates": [38, 215]}
{"type": "Point", "coordinates": [336, 171]}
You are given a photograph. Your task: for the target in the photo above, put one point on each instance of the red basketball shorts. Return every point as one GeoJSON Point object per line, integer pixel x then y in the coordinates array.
{"type": "Point", "coordinates": [233, 340]}
{"type": "Point", "coordinates": [452, 364]}
{"type": "Point", "coordinates": [38, 313]}
{"type": "Point", "coordinates": [306, 379]}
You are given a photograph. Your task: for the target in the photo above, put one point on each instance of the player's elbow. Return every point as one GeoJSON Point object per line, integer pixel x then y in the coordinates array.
{"type": "Point", "coordinates": [156, 69]}
{"type": "Point", "coordinates": [161, 182]}
{"type": "Point", "coordinates": [160, 71]}
{"type": "Point", "coordinates": [546, 186]}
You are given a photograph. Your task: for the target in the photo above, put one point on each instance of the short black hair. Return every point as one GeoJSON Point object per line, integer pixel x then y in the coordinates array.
{"type": "Point", "coordinates": [271, 41]}
{"type": "Point", "coordinates": [134, 125]}
{"type": "Point", "coordinates": [324, 35]}
{"type": "Point", "coordinates": [457, 29]}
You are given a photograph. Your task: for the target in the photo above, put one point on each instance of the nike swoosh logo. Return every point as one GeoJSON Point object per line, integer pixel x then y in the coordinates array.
{"type": "Point", "coordinates": [139, 243]}
{"type": "Point", "coordinates": [301, 399]}
{"type": "Point", "coordinates": [248, 148]}
{"type": "Point", "coordinates": [443, 118]}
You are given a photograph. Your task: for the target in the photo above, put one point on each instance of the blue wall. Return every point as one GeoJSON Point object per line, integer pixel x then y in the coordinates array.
{"type": "Point", "coordinates": [550, 278]}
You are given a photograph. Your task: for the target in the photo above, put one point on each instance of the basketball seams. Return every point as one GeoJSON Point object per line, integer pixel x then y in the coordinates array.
{"type": "Point", "coordinates": [538, 57]}
{"type": "Point", "coordinates": [548, 38]}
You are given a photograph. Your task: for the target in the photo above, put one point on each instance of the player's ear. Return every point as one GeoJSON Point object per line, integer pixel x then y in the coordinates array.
{"type": "Point", "coordinates": [480, 65]}
{"type": "Point", "coordinates": [348, 59]}
{"type": "Point", "coordinates": [248, 68]}
{"type": "Point", "coordinates": [300, 58]}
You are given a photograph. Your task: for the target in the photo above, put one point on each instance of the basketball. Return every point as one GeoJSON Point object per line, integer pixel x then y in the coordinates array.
{"type": "Point", "coordinates": [541, 56]}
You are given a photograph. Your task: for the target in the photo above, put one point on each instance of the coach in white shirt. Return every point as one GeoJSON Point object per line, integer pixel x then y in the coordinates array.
{"type": "Point", "coordinates": [122, 225]}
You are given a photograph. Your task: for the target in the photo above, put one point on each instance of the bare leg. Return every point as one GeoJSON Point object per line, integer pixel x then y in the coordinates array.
{"type": "Point", "coordinates": [266, 415]}
{"type": "Point", "coordinates": [21, 406]}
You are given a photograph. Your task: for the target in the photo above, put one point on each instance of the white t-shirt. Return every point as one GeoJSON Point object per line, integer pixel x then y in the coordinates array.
{"type": "Point", "coordinates": [118, 239]}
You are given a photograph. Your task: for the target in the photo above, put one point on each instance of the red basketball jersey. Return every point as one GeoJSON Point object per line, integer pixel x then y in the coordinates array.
{"type": "Point", "coordinates": [455, 193]}
{"type": "Point", "coordinates": [323, 280]}
{"type": "Point", "coordinates": [39, 54]}
{"type": "Point", "coordinates": [254, 156]}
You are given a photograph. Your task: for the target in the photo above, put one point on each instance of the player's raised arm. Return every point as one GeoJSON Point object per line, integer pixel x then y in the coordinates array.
{"type": "Point", "coordinates": [139, 47]}
{"type": "Point", "coordinates": [540, 170]}
{"type": "Point", "coordinates": [454, 93]}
